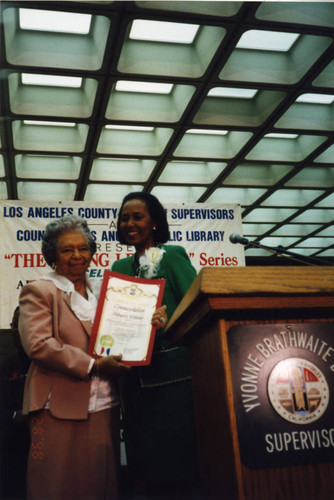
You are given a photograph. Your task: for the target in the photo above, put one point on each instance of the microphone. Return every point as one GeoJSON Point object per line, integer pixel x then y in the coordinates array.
{"type": "Point", "coordinates": [315, 261]}
{"type": "Point", "coordinates": [236, 238]}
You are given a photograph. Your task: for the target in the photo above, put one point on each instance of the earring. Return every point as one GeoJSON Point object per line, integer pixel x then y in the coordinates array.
{"type": "Point", "coordinates": [54, 266]}
{"type": "Point", "coordinates": [154, 228]}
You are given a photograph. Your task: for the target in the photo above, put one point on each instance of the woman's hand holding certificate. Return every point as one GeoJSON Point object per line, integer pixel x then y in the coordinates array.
{"type": "Point", "coordinates": [108, 367]}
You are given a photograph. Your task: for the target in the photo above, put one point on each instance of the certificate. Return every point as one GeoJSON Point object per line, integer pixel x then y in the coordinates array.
{"type": "Point", "coordinates": [122, 323]}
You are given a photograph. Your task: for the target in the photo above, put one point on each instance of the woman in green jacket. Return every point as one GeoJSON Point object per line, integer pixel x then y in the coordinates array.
{"type": "Point", "coordinates": [159, 426]}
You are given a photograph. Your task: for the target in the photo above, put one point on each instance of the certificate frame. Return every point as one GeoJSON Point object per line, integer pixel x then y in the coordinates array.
{"type": "Point", "coordinates": [121, 298]}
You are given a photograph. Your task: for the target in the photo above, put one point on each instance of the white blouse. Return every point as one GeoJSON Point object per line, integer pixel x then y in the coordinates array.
{"type": "Point", "coordinates": [103, 393]}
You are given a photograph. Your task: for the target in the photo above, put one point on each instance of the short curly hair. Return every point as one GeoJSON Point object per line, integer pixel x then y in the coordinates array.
{"type": "Point", "coordinates": [156, 211]}
{"type": "Point", "coordinates": [60, 226]}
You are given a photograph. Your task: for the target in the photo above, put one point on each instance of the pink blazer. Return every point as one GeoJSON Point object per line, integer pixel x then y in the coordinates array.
{"type": "Point", "coordinates": [56, 341]}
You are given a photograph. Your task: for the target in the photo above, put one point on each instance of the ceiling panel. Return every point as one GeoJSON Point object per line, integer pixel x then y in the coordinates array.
{"type": "Point", "coordinates": [224, 102]}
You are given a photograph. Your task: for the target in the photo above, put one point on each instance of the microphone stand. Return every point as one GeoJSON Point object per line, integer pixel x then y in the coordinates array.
{"type": "Point", "coordinates": [280, 250]}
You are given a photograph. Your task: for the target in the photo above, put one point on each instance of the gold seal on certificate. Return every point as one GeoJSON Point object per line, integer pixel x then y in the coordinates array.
{"type": "Point", "coordinates": [122, 322]}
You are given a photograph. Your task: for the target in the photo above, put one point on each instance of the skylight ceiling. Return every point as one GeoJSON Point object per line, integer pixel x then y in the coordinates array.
{"type": "Point", "coordinates": [222, 102]}
{"type": "Point", "coordinates": [62, 22]}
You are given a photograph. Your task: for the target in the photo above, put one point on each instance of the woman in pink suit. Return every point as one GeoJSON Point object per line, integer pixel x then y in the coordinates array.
{"type": "Point", "coordinates": [72, 400]}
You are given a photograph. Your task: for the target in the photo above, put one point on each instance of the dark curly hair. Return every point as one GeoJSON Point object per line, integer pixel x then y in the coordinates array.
{"type": "Point", "coordinates": [55, 228]}
{"type": "Point", "coordinates": [156, 211]}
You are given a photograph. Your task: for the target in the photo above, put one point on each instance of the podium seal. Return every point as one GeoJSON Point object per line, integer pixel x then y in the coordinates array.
{"type": "Point", "coordinates": [298, 391]}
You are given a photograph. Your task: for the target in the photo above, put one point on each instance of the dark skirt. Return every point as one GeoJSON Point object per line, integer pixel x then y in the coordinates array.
{"type": "Point", "coordinates": [159, 432]}
{"type": "Point", "coordinates": [74, 459]}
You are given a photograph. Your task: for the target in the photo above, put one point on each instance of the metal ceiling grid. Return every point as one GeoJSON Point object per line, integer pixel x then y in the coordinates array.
{"type": "Point", "coordinates": [236, 117]}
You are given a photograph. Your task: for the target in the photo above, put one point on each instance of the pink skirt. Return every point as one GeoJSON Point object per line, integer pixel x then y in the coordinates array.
{"type": "Point", "coordinates": [74, 459]}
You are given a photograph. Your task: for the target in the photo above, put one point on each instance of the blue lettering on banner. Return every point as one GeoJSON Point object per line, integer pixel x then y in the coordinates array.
{"type": "Point", "coordinates": [49, 212]}
{"type": "Point", "coordinates": [29, 235]}
{"type": "Point", "coordinates": [175, 235]}
{"type": "Point", "coordinates": [205, 235]}
{"type": "Point", "coordinates": [97, 213]}
{"type": "Point", "coordinates": [202, 213]}
{"type": "Point", "coordinates": [95, 273]}
{"type": "Point", "coordinates": [109, 236]}
{"type": "Point", "coordinates": [12, 211]}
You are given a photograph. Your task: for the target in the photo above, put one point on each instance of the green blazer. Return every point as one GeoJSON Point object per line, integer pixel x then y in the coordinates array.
{"type": "Point", "coordinates": [169, 363]}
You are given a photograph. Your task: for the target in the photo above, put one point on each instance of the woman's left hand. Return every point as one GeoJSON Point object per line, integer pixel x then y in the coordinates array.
{"type": "Point", "coordinates": [159, 318]}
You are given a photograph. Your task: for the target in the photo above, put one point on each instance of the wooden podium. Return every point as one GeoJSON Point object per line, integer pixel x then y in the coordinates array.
{"type": "Point", "coordinates": [222, 298]}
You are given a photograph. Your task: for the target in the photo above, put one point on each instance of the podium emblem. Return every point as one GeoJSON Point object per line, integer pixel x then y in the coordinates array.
{"type": "Point", "coordinates": [298, 391]}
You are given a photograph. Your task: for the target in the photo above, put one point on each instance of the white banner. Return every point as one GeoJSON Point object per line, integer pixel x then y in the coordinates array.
{"type": "Point", "coordinates": [202, 229]}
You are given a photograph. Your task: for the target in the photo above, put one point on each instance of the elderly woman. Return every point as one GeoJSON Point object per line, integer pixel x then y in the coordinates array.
{"type": "Point", "coordinates": [72, 400]}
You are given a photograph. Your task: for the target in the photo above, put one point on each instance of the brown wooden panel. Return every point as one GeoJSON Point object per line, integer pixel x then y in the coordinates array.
{"type": "Point", "coordinates": [248, 303]}
{"type": "Point", "coordinates": [216, 426]}
{"type": "Point", "coordinates": [271, 280]}
{"type": "Point", "coordinates": [307, 482]}
{"type": "Point", "coordinates": [219, 299]}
